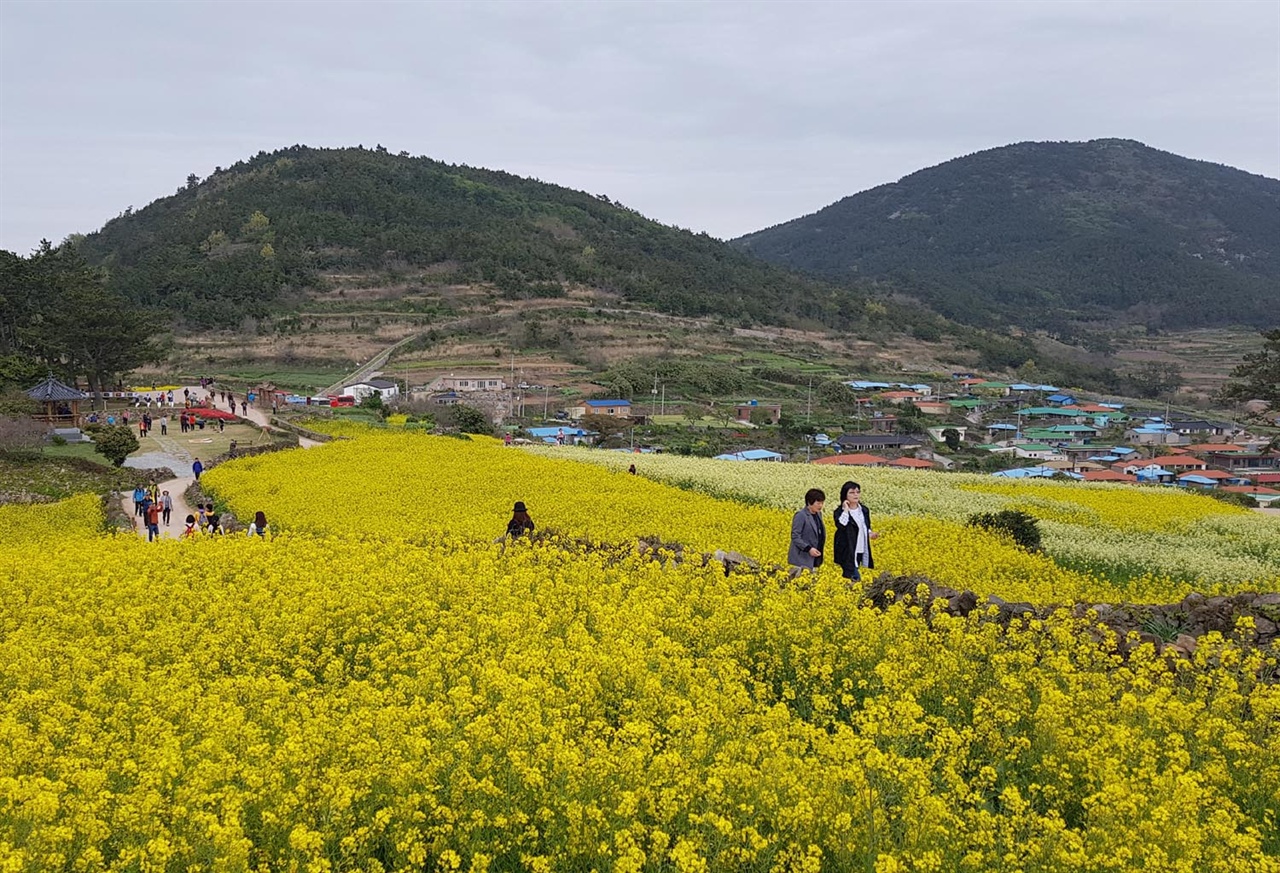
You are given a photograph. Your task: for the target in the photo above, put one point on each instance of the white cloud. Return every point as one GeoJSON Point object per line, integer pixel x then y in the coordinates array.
{"type": "Point", "coordinates": [714, 116]}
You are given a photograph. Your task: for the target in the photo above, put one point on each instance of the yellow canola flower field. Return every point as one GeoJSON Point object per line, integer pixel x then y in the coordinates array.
{"type": "Point", "coordinates": [54, 526]}
{"type": "Point", "coordinates": [411, 485]}
{"type": "Point", "coordinates": [359, 699]}
{"type": "Point", "coordinates": [1152, 544]}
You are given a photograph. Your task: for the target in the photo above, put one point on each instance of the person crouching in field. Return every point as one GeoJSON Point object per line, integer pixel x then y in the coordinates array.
{"type": "Point", "coordinates": [520, 521]}
{"type": "Point", "coordinates": [808, 534]}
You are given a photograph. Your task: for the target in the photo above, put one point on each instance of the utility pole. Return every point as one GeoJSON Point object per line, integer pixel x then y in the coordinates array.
{"type": "Point", "coordinates": [546, 395]}
{"type": "Point", "coordinates": [808, 404]}
{"type": "Point", "coordinates": [663, 406]}
{"type": "Point", "coordinates": [653, 403]}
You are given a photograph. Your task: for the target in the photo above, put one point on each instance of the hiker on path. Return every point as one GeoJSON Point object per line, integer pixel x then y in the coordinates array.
{"type": "Point", "coordinates": [153, 522]}
{"type": "Point", "coordinates": [139, 494]}
{"type": "Point", "coordinates": [808, 534]}
{"type": "Point", "coordinates": [853, 532]}
{"type": "Point", "coordinates": [520, 520]}
{"type": "Point", "coordinates": [166, 507]}
{"type": "Point", "coordinates": [197, 468]}
{"type": "Point", "coordinates": [164, 424]}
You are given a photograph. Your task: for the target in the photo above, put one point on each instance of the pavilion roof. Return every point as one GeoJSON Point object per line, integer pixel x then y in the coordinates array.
{"type": "Point", "coordinates": [51, 390]}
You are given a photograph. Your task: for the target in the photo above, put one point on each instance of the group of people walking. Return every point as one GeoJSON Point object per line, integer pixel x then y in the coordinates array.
{"type": "Point", "coordinates": [851, 546]}
{"type": "Point", "coordinates": [152, 506]}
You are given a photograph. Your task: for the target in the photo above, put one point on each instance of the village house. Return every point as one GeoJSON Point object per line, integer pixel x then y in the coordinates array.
{"type": "Point", "coordinates": [1200, 427]}
{"type": "Point", "coordinates": [937, 435]}
{"type": "Point", "coordinates": [569, 436]}
{"type": "Point", "coordinates": [1108, 476]}
{"type": "Point", "coordinates": [912, 464]}
{"type": "Point", "coordinates": [856, 459]}
{"type": "Point", "coordinates": [1037, 451]}
{"type": "Point", "coordinates": [743, 411]}
{"type": "Point", "coordinates": [932, 407]}
{"type": "Point", "coordinates": [859, 442]}
{"type": "Point", "coordinates": [1244, 461]}
{"type": "Point", "coordinates": [1180, 463]}
{"type": "Point", "coordinates": [384, 388]}
{"type": "Point", "coordinates": [750, 455]}
{"type": "Point", "coordinates": [466, 382]}
{"type": "Point", "coordinates": [612, 408]}
{"type": "Point", "coordinates": [1155, 435]}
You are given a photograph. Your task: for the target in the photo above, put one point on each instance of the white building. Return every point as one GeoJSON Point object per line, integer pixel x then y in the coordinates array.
{"type": "Point", "coordinates": [384, 388]}
{"type": "Point", "coordinates": [467, 382]}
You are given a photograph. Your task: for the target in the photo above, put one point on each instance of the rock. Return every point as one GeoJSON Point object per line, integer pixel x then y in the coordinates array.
{"type": "Point", "coordinates": [1187, 643]}
{"type": "Point", "coordinates": [962, 604]}
{"type": "Point", "coordinates": [1264, 626]}
{"type": "Point", "coordinates": [732, 560]}
{"type": "Point", "coordinates": [1267, 600]}
{"type": "Point", "coordinates": [1145, 637]}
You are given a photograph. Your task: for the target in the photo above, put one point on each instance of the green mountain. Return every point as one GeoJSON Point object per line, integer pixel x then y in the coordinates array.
{"type": "Point", "coordinates": [1049, 234]}
{"type": "Point", "coordinates": [251, 239]}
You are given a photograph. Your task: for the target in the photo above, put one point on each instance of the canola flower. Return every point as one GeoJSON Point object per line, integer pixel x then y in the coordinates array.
{"type": "Point", "coordinates": [53, 525]}
{"type": "Point", "coordinates": [358, 700]}
{"type": "Point", "coordinates": [1152, 544]}
{"type": "Point", "coordinates": [426, 485]}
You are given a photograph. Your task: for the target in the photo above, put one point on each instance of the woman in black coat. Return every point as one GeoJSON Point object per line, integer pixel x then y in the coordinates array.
{"type": "Point", "coordinates": [853, 532]}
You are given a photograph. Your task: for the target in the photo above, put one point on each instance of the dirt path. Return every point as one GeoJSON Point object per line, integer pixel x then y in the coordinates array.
{"type": "Point", "coordinates": [175, 449]}
{"type": "Point", "coordinates": [177, 519]}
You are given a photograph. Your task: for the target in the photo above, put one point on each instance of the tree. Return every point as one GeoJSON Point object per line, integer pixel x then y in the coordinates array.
{"type": "Point", "coordinates": [951, 437]}
{"type": "Point", "coordinates": [115, 444]}
{"type": "Point", "coordinates": [1154, 379]}
{"type": "Point", "coordinates": [80, 327]}
{"type": "Point", "coordinates": [1257, 377]}
{"type": "Point", "coordinates": [606, 426]}
{"type": "Point", "coordinates": [839, 396]}
{"type": "Point", "coordinates": [465, 418]}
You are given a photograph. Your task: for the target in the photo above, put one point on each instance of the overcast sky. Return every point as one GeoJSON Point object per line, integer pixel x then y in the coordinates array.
{"type": "Point", "coordinates": [718, 116]}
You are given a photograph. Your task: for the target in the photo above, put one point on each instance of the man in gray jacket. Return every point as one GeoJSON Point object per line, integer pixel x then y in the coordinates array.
{"type": "Point", "coordinates": [808, 534]}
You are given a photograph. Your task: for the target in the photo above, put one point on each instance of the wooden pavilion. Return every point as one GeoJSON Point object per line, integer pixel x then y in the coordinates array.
{"type": "Point", "coordinates": [60, 403]}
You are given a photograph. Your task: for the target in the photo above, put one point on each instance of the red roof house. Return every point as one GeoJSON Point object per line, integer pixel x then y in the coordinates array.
{"type": "Point", "coordinates": [860, 459]}
{"type": "Point", "coordinates": [912, 463]}
{"type": "Point", "coordinates": [1107, 476]}
{"type": "Point", "coordinates": [1179, 462]}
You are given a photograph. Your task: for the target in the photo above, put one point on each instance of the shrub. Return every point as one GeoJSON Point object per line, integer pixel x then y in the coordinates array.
{"type": "Point", "coordinates": [115, 444]}
{"type": "Point", "coordinates": [1023, 528]}
{"type": "Point", "coordinates": [1233, 497]}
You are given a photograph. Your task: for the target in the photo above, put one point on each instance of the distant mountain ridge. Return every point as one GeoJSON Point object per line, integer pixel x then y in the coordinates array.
{"type": "Point", "coordinates": [1041, 234]}
{"type": "Point", "coordinates": [244, 241]}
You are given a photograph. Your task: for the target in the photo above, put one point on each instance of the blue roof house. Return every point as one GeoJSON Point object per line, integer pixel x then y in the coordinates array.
{"type": "Point", "coordinates": [572, 435]}
{"type": "Point", "coordinates": [750, 455]}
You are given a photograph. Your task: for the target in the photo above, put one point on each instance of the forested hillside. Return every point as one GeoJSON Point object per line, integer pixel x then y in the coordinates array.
{"type": "Point", "coordinates": [1040, 234]}
{"type": "Point", "coordinates": [242, 241]}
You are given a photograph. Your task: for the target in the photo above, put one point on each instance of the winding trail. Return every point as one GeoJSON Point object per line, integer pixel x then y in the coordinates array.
{"type": "Point", "coordinates": [177, 486]}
